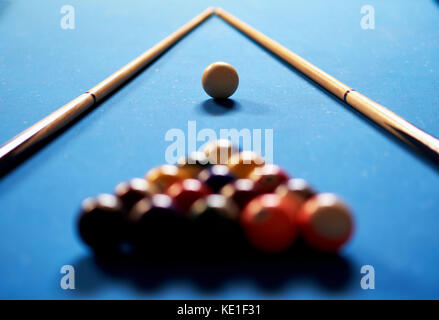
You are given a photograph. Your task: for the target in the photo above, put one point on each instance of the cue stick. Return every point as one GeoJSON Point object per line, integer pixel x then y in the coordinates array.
{"type": "Point", "coordinates": [67, 113]}
{"type": "Point", "coordinates": [404, 130]}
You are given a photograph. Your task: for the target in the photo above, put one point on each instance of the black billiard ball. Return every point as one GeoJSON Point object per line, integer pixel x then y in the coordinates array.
{"type": "Point", "coordinates": [215, 224]}
{"type": "Point", "coordinates": [154, 224]}
{"type": "Point", "coordinates": [101, 222]}
{"type": "Point", "coordinates": [132, 191]}
{"type": "Point", "coordinates": [216, 177]}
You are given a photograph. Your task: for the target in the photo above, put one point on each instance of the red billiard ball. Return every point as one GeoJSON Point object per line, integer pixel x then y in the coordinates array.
{"type": "Point", "coordinates": [326, 223]}
{"type": "Point", "coordinates": [186, 192]}
{"type": "Point", "coordinates": [269, 223]}
{"type": "Point", "coordinates": [269, 177]}
{"type": "Point", "coordinates": [241, 191]}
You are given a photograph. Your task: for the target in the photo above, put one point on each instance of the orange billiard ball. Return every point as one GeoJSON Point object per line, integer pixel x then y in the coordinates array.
{"type": "Point", "coordinates": [163, 176]}
{"type": "Point", "coordinates": [326, 223]}
{"type": "Point", "coordinates": [269, 223]}
{"type": "Point", "coordinates": [193, 164]}
{"type": "Point", "coordinates": [243, 163]}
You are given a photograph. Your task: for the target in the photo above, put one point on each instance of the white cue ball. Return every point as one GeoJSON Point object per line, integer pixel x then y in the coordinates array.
{"type": "Point", "coordinates": [220, 80]}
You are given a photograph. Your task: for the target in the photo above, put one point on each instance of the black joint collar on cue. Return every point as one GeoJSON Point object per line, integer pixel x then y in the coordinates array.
{"type": "Point", "coordinates": [346, 94]}
{"type": "Point", "coordinates": [94, 97]}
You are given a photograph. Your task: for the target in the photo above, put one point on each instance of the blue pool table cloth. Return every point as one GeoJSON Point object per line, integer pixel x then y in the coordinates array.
{"type": "Point", "coordinates": [393, 192]}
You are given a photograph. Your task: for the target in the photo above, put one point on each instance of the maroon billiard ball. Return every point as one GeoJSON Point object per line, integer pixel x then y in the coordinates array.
{"type": "Point", "coordinates": [241, 191]}
{"type": "Point", "coordinates": [132, 191]}
{"type": "Point", "coordinates": [269, 177]}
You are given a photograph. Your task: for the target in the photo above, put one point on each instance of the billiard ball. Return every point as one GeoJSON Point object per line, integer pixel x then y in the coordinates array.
{"type": "Point", "coordinates": [132, 191]}
{"type": "Point", "coordinates": [215, 224]}
{"type": "Point", "coordinates": [193, 164]}
{"type": "Point", "coordinates": [296, 188]}
{"type": "Point", "coordinates": [220, 80]}
{"type": "Point", "coordinates": [186, 192]}
{"type": "Point", "coordinates": [154, 224]}
{"type": "Point", "coordinates": [101, 224]}
{"type": "Point", "coordinates": [326, 223]}
{"type": "Point", "coordinates": [269, 223]}
{"type": "Point", "coordinates": [243, 163]}
{"type": "Point", "coordinates": [219, 151]}
{"type": "Point", "coordinates": [269, 177]}
{"type": "Point", "coordinates": [216, 177]}
{"type": "Point", "coordinates": [163, 176]}
{"type": "Point", "coordinates": [241, 191]}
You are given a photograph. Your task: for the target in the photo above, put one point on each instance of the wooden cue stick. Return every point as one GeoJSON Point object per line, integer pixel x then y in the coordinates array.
{"type": "Point", "coordinates": [67, 113]}
{"type": "Point", "coordinates": [404, 130]}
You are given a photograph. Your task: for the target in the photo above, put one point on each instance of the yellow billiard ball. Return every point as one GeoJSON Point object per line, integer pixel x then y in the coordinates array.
{"type": "Point", "coordinates": [220, 80]}
{"type": "Point", "coordinates": [220, 151]}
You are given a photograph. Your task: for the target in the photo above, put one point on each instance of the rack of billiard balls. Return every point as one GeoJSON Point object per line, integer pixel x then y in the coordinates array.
{"type": "Point", "coordinates": [216, 198]}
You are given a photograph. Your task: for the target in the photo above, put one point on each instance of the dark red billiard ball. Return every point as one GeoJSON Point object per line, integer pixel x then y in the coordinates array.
{"type": "Point", "coordinates": [241, 191]}
{"type": "Point", "coordinates": [132, 191]}
{"type": "Point", "coordinates": [186, 192]}
{"type": "Point", "coordinates": [326, 222]}
{"type": "Point", "coordinates": [298, 189]}
{"type": "Point", "coordinates": [216, 177]}
{"type": "Point", "coordinates": [269, 177]}
{"type": "Point", "coordinates": [270, 222]}
{"type": "Point", "coordinates": [154, 224]}
{"type": "Point", "coordinates": [101, 223]}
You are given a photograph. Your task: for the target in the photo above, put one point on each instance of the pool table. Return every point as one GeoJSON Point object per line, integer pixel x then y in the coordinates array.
{"type": "Point", "coordinates": [393, 192]}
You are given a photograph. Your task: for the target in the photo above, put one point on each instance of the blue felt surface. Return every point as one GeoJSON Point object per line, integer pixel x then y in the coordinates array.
{"type": "Point", "coordinates": [394, 194]}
